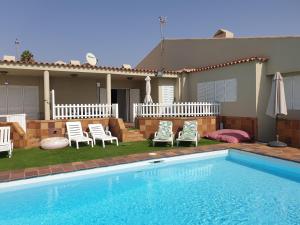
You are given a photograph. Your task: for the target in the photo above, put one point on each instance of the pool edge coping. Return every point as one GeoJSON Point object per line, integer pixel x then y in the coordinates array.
{"type": "Point", "coordinates": [29, 173]}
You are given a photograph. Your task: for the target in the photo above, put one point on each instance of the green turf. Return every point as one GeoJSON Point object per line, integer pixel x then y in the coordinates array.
{"type": "Point", "coordinates": [36, 157]}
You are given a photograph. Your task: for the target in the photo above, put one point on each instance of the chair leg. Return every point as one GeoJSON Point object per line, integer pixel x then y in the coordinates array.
{"type": "Point", "coordinates": [70, 144]}
{"type": "Point", "coordinates": [117, 142]}
{"type": "Point", "coordinates": [177, 143]}
{"type": "Point", "coordinates": [77, 145]}
{"type": "Point", "coordinates": [103, 144]}
{"type": "Point", "coordinates": [153, 143]}
{"type": "Point", "coordinates": [92, 144]}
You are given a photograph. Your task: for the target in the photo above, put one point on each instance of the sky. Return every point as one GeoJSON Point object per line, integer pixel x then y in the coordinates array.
{"type": "Point", "coordinates": [125, 31]}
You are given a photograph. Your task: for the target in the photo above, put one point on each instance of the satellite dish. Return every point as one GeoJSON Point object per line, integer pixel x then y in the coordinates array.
{"type": "Point", "coordinates": [91, 59]}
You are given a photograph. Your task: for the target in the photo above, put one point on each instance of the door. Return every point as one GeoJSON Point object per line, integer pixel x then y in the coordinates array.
{"type": "Point", "coordinates": [19, 99]}
{"type": "Point", "coordinates": [134, 98]}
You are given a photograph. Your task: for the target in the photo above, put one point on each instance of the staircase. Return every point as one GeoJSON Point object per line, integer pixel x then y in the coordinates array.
{"type": "Point", "coordinates": [133, 134]}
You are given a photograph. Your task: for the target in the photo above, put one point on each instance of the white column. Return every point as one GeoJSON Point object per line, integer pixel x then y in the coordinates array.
{"type": "Point", "coordinates": [108, 89]}
{"type": "Point", "coordinates": [46, 95]}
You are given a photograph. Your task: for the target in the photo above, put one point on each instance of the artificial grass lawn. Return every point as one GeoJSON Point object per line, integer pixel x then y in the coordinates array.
{"type": "Point", "coordinates": [35, 157]}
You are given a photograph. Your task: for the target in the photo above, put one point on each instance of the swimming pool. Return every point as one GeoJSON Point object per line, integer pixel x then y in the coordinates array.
{"type": "Point", "coordinates": [222, 187]}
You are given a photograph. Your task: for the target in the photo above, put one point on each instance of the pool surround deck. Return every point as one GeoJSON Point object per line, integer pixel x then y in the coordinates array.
{"type": "Point", "coordinates": [288, 153]}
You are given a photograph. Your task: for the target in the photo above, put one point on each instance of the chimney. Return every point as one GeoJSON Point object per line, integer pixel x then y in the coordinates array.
{"type": "Point", "coordinates": [223, 34]}
{"type": "Point", "coordinates": [75, 62]}
{"type": "Point", "coordinates": [9, 58]}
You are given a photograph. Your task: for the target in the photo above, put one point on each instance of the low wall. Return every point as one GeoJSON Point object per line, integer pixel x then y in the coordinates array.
{"type": "Point", "coordinates": [18, 135]}
{"type": "Point", "coordinates": [289, 131]}
{"type": "Point", "coordinates": [248, 124]}
{"type": "Point", "coordinates": [149, 125]}
{"type": "Point", "coordinates": [57, 128]}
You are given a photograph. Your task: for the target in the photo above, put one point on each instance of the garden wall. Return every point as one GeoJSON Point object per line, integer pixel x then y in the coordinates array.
{"type": "Point", "coordinates": [289, 131]}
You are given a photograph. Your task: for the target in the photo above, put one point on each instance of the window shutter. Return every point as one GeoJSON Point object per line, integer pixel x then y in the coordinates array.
{"type": "Point", "coordinates": [231, 90]}
{"type": "Point", "coordinates": [210, 91]}
{"type": "Point", "coordinates": [103, 99]}
{"type": "Point", "coordinates": [14, 99]}
{"type": "Point", "coordinates": [31, 101]}
{"type": "Point", "coordinates": [3, 100]}
{"type": "Point", "coordinates": [296, 93]}
{"type": "Point", "coordinates": [167, 94]}
{"type": "Point", "coordinates": [220, 90]}
{"type": "Point", "coordinates": [201, 92]}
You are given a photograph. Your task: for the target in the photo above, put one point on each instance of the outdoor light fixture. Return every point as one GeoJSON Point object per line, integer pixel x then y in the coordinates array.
{"type": "Point", "coordinates": [160, 73]}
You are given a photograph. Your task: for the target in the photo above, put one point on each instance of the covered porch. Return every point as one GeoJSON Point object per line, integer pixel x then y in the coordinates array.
{"type": "Point", "coordinates": [26, 88]}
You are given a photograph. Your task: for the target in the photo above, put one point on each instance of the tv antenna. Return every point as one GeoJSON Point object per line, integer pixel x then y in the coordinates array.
{"type": "Point", "coordinates": [17, 46]}
{"type": "Point", "coordinates": [162, 23]}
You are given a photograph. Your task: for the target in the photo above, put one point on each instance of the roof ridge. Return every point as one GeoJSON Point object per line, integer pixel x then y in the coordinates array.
{"type": "Point", "coordinates": [86, 66]}
{"type": "Point", "coordinates": [225, 64]}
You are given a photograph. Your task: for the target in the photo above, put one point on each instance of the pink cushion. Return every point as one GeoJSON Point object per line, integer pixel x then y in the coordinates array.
{"type": "Point", "coordinates": [229, 135]}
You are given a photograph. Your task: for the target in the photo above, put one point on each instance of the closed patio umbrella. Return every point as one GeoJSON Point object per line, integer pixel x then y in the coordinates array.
{"type": "Point", "coordinates": [148, 98]}
{"type": "Point", "coordinates": [277, 104]}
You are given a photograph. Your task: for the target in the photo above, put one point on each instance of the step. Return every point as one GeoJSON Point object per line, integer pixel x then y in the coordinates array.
{"type": "Point", "coordinates": [133, 139]}
{"type": "Point", "coordinates": [129, 125]}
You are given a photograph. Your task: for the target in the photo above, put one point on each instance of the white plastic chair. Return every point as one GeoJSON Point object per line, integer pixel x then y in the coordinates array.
{"type": "Point", "coordinates": [97, 132]}
{"type": "Point", "coordinates": [75, 133]}
{"type": "Point", "coordinates": [189, 132]}
{"type": "Point", "coordinates": [164, 133]}
{"type": "Point", "coordinates": [6, 145]}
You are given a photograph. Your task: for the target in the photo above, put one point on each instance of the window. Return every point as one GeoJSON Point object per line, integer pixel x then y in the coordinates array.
{"type": "Point", "coordinates": [292, 92]}
{"type": "Point", "coordinates": [168, 94]}
{"type": "Point", "coordinates": [220, 91]}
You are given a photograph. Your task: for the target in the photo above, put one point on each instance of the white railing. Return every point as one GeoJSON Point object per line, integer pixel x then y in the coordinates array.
{"type": "Point", "coordinates": [182, 109]}
{"type": "Point", "coordinates": [81, 111]}
{"type": "Point", "coordinates": [19, 118]}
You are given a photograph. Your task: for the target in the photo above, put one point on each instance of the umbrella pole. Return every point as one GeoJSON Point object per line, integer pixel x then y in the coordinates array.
{"type": "Point", "coordinates": [277, 143]}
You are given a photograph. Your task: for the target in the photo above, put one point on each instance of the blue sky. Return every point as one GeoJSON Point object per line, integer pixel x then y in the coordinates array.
{"type": "Point", "coordinates": [120, 32]}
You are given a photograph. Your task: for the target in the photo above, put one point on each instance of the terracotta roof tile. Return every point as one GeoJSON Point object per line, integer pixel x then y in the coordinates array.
{"type": "Point", "coordinates": [184, 70]}
{"type": "Point", "coordinates": [86, 66]}
{"type": "Point", "coordinates": [220, 65]}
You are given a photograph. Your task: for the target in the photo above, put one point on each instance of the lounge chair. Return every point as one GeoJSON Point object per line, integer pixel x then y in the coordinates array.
{"type": "Point", "coordinates": [164, 133]}
{"type": "Point", "coordinates": [189, 132]}
{"type": "Point", "coordinates": [6, 145]}
{"type": "Point", "coordinates": [74, 133]}
{"type": "Point", "coordinates": [97, 133]}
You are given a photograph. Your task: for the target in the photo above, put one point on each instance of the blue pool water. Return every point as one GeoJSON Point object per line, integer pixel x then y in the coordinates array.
{"type": "Point", "coordinates": [237, 189]}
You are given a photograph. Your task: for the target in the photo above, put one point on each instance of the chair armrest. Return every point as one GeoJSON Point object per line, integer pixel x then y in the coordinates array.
{"type": "Point", "coordinates": [108, 133]}
{"type": "Point", "coordinates": [179, 134]}
{"type": "Point", "coordinates": [85, 134]}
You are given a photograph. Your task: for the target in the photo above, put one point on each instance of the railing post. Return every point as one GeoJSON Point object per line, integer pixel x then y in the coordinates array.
{"type": "Point", "coordinates": [53, 104]}
{"type": "Point", "coordinates": [134, 112]}
{"type": "Point", "coordinates": [115, 110]}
